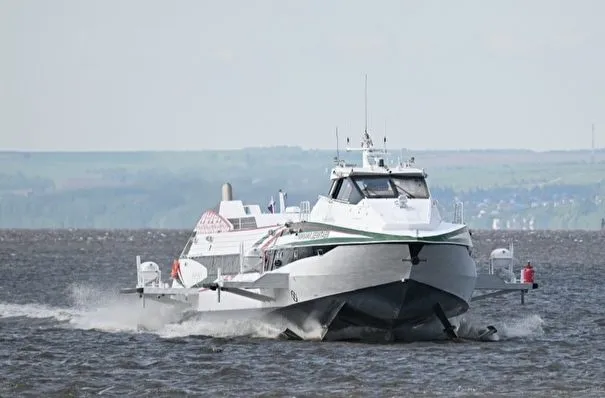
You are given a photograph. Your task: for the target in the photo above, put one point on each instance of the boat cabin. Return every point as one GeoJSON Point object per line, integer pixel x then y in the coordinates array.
{"type": "Point", "coordinates": [353, 188]}
{"type": "Point", "coordinates": [375, 179]}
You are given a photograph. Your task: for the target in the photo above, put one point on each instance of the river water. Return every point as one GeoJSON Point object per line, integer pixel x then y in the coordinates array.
{"type": "Point", "coordinates": [65, 331]}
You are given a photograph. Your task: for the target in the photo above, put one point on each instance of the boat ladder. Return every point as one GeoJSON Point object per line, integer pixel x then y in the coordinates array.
{"type": "Point", "coordinates": [305, 209]}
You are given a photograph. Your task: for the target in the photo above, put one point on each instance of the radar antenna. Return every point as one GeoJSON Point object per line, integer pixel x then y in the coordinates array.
{"type": "Point", "coordinates": [365, 99]}
{"type": "Point", "coordinates": [366, 140]}
{"type": "Point", "coordinates": [369, 153]}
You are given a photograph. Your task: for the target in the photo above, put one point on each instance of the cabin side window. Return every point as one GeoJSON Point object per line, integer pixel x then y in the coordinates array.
{"type": "Point", "coordinates": [347, 192]}
{"type": "Point", "coordinates": [243, 223]}
{"type": "Point", "coordinates": [334, 188]}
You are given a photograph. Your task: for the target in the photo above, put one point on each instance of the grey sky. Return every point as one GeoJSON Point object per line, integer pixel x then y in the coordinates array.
{"type": "Point", "coordinates": [141, 74]}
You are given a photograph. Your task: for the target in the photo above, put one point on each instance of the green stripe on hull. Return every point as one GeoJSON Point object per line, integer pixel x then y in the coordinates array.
{"type": "Point", "coordinates": [457, 237]}
{"type": "Point", "coordinates": [382, 237]}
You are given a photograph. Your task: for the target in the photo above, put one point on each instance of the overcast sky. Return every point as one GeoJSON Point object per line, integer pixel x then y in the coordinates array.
{"type": "Point", "coordinates": [148, 74]}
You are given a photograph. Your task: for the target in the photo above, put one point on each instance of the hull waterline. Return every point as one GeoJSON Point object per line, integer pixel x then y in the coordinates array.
{"type": "Point", "coordinates": [396, 311]}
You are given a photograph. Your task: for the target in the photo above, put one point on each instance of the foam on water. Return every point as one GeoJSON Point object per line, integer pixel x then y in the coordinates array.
{"type": "Point", "coordinates": [521, 327]}
{"type": "Point", "coordinates": [95, 309]}
{"type": "Point", "coordinates": [526, 326]}
{"type": "Point", "coordinates": [197, 326]}
{"type": "Point", "coordinates": [39, 311]}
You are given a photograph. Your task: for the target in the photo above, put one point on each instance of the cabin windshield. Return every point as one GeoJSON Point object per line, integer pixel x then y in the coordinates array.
{"type": "Point", "coordinates": [413, 187]}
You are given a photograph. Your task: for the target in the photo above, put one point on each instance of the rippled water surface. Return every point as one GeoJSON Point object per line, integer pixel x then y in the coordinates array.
{"type": "Point", "coordinates": [64, 331]}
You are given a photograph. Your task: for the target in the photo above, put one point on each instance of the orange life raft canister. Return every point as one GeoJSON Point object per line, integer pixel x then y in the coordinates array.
{"type": "Point", "coordinates": [174, 274]}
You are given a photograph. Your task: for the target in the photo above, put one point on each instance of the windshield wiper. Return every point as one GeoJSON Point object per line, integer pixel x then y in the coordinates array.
{"type": "Point", "coordinates": [409, 195]}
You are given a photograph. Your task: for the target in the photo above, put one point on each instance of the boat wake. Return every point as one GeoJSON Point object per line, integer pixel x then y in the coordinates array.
{"type": "Point", "coordinates": [94, 309]}
{"type": "Point", "coordinates": [218, 328]}
{"type": "Point", "coordinates": [34, 311]}
{"type": "Point", "coordinates": [515, 328]}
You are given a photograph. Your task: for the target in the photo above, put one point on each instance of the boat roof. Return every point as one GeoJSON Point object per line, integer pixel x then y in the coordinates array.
{"type": "Point", "coordinates": [349, 170]}
{"type": "Point", "coordinates": [374, 163]}
{"type": "Point", "coordinates": [234, 215]}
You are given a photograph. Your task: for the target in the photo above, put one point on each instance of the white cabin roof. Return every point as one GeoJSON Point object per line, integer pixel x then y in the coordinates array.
{"type": "Point", "coordinates": [350, 170]}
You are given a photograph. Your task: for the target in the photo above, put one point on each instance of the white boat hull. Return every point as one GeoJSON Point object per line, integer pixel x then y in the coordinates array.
{"type": "Point", "coordinates": [357, 290]}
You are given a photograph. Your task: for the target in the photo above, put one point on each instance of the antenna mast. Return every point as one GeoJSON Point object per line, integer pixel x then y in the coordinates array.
{"type": "Point", "coordinates": [366, 104]}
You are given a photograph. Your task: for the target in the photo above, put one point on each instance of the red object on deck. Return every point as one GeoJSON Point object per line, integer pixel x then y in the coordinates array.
{"type": "Point", "coordinates": [528, 275]}
{"type": "Point", "coordinates": [175, 269]}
